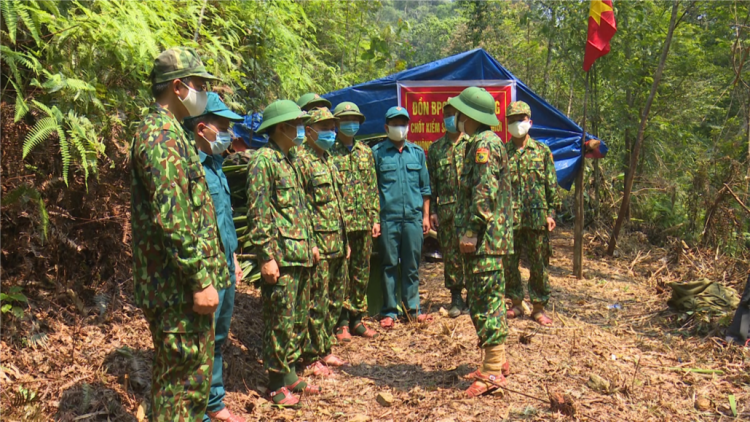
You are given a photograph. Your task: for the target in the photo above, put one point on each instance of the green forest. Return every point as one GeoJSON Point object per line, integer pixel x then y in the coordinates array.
{"type": "Point", "coordinates": [74, 85]}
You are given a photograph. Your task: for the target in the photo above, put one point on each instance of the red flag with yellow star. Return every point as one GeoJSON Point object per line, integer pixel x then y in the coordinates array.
{"type": "Point", "coordinates": [602, 27]}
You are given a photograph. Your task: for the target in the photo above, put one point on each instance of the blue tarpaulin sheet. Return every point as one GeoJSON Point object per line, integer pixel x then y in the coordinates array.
{"type": "Point", "coordinates": [562, 135]}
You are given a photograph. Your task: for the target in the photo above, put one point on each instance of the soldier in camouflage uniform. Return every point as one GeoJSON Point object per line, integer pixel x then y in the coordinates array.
{"type": "Point", "coordinates": [328, 286]}
{"type": "Point", "coordinates": [484, 225]}
{"type": "Point", "coordinates": [281, 235]}
{"type": "Point", "coordinates": [178, 261]}
{"type": "Point", "coordinates": [445, 162]}
{"type": "Point", "coordinates": [247, 141]}
{"type": "Point", "coordinates": [534, 181]}
{"type": "Point", "coordinates": [361, 203]}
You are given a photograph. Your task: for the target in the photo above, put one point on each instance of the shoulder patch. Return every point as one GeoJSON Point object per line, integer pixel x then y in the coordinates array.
{"type": "Point", "coordinates": [483, 155]}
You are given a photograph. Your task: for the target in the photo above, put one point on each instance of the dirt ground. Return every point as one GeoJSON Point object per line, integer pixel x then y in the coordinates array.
{"type": "Point", "coordinates": [635, 363]}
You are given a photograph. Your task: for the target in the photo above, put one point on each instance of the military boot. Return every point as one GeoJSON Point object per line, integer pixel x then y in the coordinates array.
{"type": "Point", "coordinates": [457, 304]}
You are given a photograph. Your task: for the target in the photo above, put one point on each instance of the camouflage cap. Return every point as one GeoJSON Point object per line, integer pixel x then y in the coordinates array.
{"type": "Point", "coordinates": [176, 63]}
{"type": "Point", "coordinates": [518, 107]}
{"type": "Point", "coordinates": [304, 102]}
{"type": "Point", "coordinates": [319, 114]}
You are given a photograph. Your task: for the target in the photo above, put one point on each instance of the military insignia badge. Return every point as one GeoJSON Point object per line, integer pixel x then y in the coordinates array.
{"type": "Point", "coordinates": [483, 155]}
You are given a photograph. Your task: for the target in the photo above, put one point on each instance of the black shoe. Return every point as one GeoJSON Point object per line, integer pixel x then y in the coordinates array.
{"type": "Point", "coordinates": [457, 304]}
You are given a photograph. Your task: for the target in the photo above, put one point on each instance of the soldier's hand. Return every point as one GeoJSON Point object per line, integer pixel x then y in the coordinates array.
{"type": "Point", "coordinates": [425, 225]}
{"type": "Point", "coordinates": [237, 269]}
{"type": "Point", "coordinates": [205, 301]}
{"type": "Point", "coordinates": [270, 272]}
{"type": "Point", "coordinates": [467, 244]}
{"type": "Point", "coordinates": [551, 224]}
{"type": "Point", "coordinates": [316, 255]}
{"type": "Point", "coordinates": [376, 230]}
{"type": "Point", "coordinates": [348, 251]}
{"type": "Point", "coordinates": [434, 222]}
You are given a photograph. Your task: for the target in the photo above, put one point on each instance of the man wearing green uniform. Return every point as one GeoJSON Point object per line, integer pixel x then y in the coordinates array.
{"type": "Point", "coordinates": [311, 101]}
{"type": "Point", "coordinates": [328, 285]}
{"type": "Point", "coordinates": [404, 185]}
{"type": "Point", "coordinates": [212, 137]}
{"type": "Point", "coordinates": [534, 181]}
{"type": "Point", "coordinates": [445, 162]}
{"type": "Point", "coordinates": [361, 204]}
{"type": "Point", "coordinates": [484, 225]}
{"type": "Point", "coordinates": [281, 235]}
{"type": "Point", "coordinates": [178, 262]}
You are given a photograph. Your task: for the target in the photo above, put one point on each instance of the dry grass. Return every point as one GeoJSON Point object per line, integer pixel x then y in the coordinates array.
{"type": "Point", "coordinates": [612, 363]}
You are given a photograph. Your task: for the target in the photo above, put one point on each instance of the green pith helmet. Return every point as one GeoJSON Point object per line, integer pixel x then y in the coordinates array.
{"type": "Point", "coordinates": [279, 111]}
{"type": "Point", "coordinates": [320, 114]}
{"type": "Point", "coordinates": [348, 108]}
{"type": "Point", "coordinates": [176, 63]}
{"type": "Point", "coordinates": [518, 107]}
{"type": "Point", "coordinates": [476, 103]}
{"type": "Point", "coordinates": [309, 98]}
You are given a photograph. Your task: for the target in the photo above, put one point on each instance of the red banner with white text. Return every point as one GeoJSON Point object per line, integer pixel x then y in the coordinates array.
{"type": "Point", "coordinates": [424, 100]}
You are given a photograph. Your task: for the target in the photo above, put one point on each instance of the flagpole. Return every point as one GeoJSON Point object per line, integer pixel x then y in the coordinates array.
{"type": "Point", "coordinates": [579, 203]}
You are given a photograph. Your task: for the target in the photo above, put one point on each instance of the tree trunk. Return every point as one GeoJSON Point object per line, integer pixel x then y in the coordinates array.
{"type": "Point", "coordinates": [641, 129]}
{"type": "Point", "coordinates": [549, 52]}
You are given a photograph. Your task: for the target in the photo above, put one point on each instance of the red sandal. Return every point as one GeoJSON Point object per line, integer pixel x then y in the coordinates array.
{"type": "Point", "coordinates": [333, 360]}
{"type": "Point", "coordinates": [387, 323]}
{"type": "Point", "coordinates": [320, 370]}
{"type": "Point", "coordinates": [289, 400]}
{"type": "Point", "coordinates": [542, 319]}
{"type": "Point", "coordinates": [364, 331]}
{"type": "Point", "coordinates": [484, 384]}
{"type": "Point", "coordinates": [342, 335]}
{"type": "Point", "coordinates": [425, 318]}
{"type": "Point", "coordinates": [305, 389]}
{"type": "Point", "coordinates": [514, 312]}
{"type": "Point", "coordinates": [505, 370]}
{"type": "Point", "coordinates": [232, 417]}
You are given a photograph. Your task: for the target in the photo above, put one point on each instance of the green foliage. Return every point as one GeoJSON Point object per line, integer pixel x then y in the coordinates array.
{"type": "Point", "coordinates": [11, 301]}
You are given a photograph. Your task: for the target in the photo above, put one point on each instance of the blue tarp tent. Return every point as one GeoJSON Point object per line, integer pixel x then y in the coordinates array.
{"type": "Point", "coordinates": [552, 127]}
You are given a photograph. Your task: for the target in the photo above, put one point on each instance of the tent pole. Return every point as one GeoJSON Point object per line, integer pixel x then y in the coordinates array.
{"type": "Point", "coordinates": [579, 204]}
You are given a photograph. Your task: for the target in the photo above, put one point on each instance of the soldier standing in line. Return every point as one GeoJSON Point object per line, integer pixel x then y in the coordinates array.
{"type": "Point", "coordinates": [361, 204]}
{"type": "Point", "coordinates": [212, 137]}
{"type": "Point", "coordinates": [328, 285]}
{"type": "Point", "coordinates": [534, 181]}
{"type": "Point", "coordinates": [484, 225]}
{"type": "Point", "coordinates": [445, 162]}
{"type": "Point", "coordinates": [178, 262]}
{"type": "Point", "coordinates": [281, 235]}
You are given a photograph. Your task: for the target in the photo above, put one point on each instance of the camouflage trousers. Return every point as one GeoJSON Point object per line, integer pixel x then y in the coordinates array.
{"type": "Point", "coordinates": [453, 259]}
{"type": "Point", "coordinates": [538, 255]}
{"type": "Point", "coordinates": [285, 309]}
{"type": "Point", "coordinates": [327, 294]}
{"type": "Point", "coordinates": [359, 271]}
{"type": "Point", "coordinates": [486, 290]}
{"type": "Point", "coordinates": [183, 365]}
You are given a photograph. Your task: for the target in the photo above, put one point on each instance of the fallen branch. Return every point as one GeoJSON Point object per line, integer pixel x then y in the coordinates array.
{"type": "Point", "coordinates": [737, 198]}
{"type": "Point", "coordinates": [697, 370]}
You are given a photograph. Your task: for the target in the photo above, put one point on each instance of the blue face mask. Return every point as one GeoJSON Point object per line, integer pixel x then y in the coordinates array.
{"type": "Point", "coordinates": [326, 139]}
{"type": "Point", "coordinates": [349, 128]}
{"type": "Point", "coordinates": [300, 135]}
{"type": "Point", "coordinates": [222, 142]}
{"type": "Point", "coordinates": [450, 124]}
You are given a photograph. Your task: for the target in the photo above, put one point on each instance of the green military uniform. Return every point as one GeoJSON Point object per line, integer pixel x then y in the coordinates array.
{"type": "Point", "coordinates": [361, 203]}
{"type": "Point", "coordinates": [485, 213]}
{"type": "Point", "coordinates": [322, 185]}
{"type": "Point", "coordinates": [176, 250]}
{"type": "Point", "coordinates": [280, 228]}
{"type": "Point", "coordinates": [534, 182]}
{"type": "Point", "coordinates": [445, 162]}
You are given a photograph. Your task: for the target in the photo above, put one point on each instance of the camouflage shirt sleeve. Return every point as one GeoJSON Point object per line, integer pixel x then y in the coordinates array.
{"type": "Point", "coordinates": [373, 196]}
{"type": "Point", "coordinates": [553, 199]}
{"type": "Point", "coordinates": [261, 227]}
{"type": "Point", "coordinates": [167, 177]}
{"type": "Point", "coordinates": [432, 170]}
{"type": "Point", "coordinates": [487, 188]}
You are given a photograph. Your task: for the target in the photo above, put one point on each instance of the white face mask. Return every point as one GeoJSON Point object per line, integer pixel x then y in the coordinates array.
{"type": "Point", "coordinates": [519, 129]}
{"type": "Point", "coordinates": [397, 133]}
{"type": "Point", "coordinates": [195, 102]}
